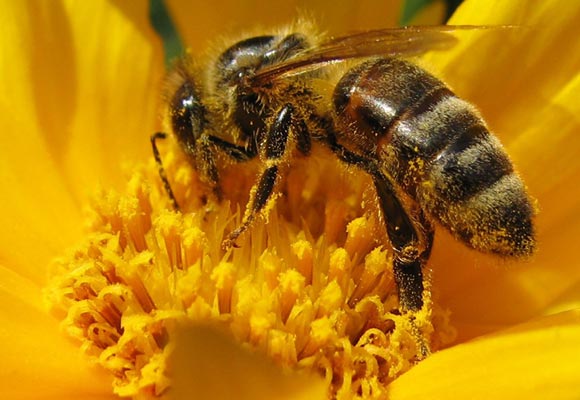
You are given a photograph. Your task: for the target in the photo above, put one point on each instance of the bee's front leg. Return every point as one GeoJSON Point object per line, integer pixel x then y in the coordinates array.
{"type": "Point", "coordinates": [273, 154]}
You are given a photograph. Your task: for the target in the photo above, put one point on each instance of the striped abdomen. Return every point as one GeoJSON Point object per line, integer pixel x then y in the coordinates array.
{"type": "Point", "coordinates": [438, 150]}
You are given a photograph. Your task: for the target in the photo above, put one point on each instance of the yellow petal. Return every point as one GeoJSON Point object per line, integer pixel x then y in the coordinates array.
{"type": "Point", "coordinates": [38, 215]}
{"type": "Point", "coordinates": [206, 363]}
{"type": "Point", "coordinates": [78, 100]}
{"type": "Point", "coordinates": [117, 72]}
{"type": "Point", "coordinates": [431, 14]}
{"type": "Point", "coordinates": [199, 23]}
{"type": "Point", "coordinates": [528, 64]}
{"type": "Point", "coordinates": [535, 361]}
{"type": "Point", "coordinates": [37, 361]}
{"type": "Point", "coordinates": [34, 196]}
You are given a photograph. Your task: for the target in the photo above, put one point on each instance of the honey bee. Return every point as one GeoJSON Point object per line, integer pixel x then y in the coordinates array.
{"type": "Point", "coordinates": [429, 153]}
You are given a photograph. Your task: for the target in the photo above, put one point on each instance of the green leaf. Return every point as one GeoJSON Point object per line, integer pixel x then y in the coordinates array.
{"type": "Point", "coordinates": [163, 24]}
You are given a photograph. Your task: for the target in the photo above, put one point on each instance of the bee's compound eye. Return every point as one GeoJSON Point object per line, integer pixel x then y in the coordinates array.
{"type": "Point", "coordinates": [187, 114]}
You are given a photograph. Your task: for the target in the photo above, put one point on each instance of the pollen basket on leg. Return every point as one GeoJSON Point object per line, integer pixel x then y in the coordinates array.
{"type": "Point", "coordinates": [313, 288]}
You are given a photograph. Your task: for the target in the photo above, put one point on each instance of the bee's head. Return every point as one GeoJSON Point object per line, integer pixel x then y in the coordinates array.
{"type": "Point", "coordinates": [187, 114]}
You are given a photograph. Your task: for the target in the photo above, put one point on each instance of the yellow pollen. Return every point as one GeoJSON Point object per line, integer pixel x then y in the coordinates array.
{"type": "Point", "coordinates": [312, 289]}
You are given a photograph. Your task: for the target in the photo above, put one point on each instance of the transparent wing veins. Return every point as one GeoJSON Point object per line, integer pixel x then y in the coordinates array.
{"type": "Point", "coordinates": [392, 42]}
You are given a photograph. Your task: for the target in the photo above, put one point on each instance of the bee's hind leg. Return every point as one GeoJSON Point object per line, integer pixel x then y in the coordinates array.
{"type": "Point", "coordinates": [412, 240]}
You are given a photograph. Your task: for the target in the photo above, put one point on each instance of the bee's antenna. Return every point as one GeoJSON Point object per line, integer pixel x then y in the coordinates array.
{"type": "Point", "coordinates": [162, 174]}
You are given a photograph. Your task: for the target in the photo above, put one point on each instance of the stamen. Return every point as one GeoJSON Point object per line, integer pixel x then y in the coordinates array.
{"type": "Point", "coordinates": [312, 292]}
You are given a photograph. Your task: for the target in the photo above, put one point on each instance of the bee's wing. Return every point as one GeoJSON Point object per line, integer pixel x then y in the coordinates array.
{"type": "Point", "coordinates": [407, 41]}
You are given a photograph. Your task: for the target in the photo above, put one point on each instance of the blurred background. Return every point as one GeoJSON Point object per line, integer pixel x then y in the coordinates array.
{"type": "Point", "coordinates": [175, 30]}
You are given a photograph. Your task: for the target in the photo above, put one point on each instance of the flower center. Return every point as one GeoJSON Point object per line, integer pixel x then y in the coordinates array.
{"type": "Point", "coordinates": [313, 288]}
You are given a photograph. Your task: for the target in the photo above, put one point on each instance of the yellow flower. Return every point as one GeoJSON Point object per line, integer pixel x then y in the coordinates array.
{"type": "Point", "coordinates": [79, 102]}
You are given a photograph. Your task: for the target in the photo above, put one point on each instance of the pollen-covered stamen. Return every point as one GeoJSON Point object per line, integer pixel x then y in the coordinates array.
{"type": "Point", "coordinates": [109, 290]}
{"type": "Point", "coordinates": [312, 292]}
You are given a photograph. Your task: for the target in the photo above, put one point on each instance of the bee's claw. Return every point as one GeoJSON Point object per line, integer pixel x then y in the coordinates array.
{"type": "Point", "coordinates": [229, 243]}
